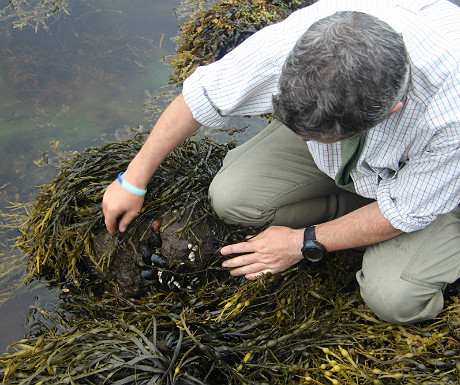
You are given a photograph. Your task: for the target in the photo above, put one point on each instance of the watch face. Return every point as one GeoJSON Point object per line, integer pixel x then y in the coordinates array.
{"type": "Point", "coordinates": [313, 254]}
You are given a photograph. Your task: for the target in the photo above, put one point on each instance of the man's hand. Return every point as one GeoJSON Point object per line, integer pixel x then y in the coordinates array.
{"type": "Point", "coordinates": [120, 207]}
{"type": "Point", "coordinates": [174, 126]}
{"type": "Point", "coordinates": [272, 251]}
{"type": "Point", "coordinates": [278, 248]}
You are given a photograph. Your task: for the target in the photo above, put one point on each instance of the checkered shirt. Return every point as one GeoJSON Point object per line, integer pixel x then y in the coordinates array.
{"type": "Point", "coordinates": [411, 162]}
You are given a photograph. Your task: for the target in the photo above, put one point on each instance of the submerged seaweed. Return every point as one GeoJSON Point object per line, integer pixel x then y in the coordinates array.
{"type": "Point", "coordinates": [32, 13]}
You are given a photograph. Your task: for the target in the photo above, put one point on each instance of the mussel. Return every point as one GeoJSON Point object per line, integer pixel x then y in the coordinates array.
{"type": "Point", "coordinates": [150, 275]}
{"type": "Point", "coordinates": [154, 241]}
{"type": "Point", "coordinates": [151, 258]}
{"type": "Point", "coordinates": [158, 260]}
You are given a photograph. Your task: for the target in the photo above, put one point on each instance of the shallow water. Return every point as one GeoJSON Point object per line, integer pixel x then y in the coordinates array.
{"type": "Point", "coordinates": [81, 83]}
{"type": "Point", "coordinates": [86, 81]}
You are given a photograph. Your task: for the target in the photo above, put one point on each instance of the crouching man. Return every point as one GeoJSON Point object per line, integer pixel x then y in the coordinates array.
{"type": "Point", "coordinates": [364, 153]}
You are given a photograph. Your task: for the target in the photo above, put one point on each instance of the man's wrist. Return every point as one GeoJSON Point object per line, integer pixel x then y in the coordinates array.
{"type": "Point", "coordinates": [312, 250]}
{"type": "Point", "coordinates": [129, 187]}
{"type": "Point", "coordinates": [137, 175]}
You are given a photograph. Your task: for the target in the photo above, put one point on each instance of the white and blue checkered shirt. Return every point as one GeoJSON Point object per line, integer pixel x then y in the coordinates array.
{"type": "Point", "coordinates": [411, 162]}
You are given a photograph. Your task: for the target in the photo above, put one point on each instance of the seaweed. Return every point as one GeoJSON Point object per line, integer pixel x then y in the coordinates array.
{"type": "Point", "coordinates": [305, 325]}
{"type": "Point", "coordinates": [35, 14]}
{"type": "Point", "coordinates": [61, 230]}
{"type": "Point", "coordinates": [12, 264]}
{"type": "Point", "coordinates": [213, 31]}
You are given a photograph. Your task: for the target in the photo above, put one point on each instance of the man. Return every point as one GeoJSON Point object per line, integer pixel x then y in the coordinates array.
{"type": "Point", "coordinates": [373, 89]}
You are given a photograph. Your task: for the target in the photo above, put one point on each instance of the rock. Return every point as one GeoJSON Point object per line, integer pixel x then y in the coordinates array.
{"type": "Point", "coordinates": [174, 247]}
{"type": "Point", "coordinates": [124, 275]}
{"type": "Point", "coordinates": [155, 257]}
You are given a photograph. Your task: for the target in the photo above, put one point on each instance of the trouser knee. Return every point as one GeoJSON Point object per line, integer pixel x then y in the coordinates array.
{"type": "Point", "coordinates": [232, 202]}
{"type": "Point", "coordinates": [400, 301]}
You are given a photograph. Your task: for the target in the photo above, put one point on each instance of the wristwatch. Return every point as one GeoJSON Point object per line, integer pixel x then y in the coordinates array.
{"type": "Point", "coordinates": [312, 250]}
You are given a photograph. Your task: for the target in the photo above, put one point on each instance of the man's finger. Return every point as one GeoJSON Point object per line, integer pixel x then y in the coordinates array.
{"type": "Point", "coordinates": [125, 221]}
{"type": "Point", "coordinates": [256, 274]}
{"type": "Point", "coordinates": [241, 260]}
{"type": "Point", "coordinates": [253, 269]}
{"type": "Point", "coordinates": [238, 248]}
{"type": "Point", "coordinates": [110, 223]}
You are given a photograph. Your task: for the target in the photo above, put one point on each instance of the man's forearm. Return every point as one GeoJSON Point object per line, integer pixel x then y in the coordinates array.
{"type": "Point", "coordinates": [174, 126]}
{"type": "Point", "coordinates": [362, 227]}
{"type": "Point", "coordinates": [279, 247]}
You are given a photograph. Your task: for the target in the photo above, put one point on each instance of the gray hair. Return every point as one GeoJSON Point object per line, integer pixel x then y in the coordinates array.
{"type": "Point", "coordinates": [343, 76]}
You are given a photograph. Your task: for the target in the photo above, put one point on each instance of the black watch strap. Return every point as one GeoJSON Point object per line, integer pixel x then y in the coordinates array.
{"type": "Point", "coordinates": [312, 250]}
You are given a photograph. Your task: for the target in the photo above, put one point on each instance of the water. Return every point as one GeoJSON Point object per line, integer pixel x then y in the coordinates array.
{"type": "Point", "coordinates": [81, 83]}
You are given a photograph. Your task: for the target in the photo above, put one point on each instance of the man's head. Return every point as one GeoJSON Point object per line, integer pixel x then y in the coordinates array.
{"type": "Point", "coordinates": [344, 75]}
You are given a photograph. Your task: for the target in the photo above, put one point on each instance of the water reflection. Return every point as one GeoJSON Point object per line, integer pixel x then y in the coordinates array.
{"type": "Point", "coordinates": [65, 89]}
{"type": "Point", "coordinates": [83, 82]}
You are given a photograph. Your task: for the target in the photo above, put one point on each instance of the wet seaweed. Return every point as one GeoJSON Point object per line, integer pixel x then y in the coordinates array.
{"type": "Point", "coordinates": [306, 325]}
{"type": "Point", "coordinates": [283, 329]}
{"type": "Point", "coordinates": [213, 31]}
{"type": "Point", "coordinates": [61, 230]}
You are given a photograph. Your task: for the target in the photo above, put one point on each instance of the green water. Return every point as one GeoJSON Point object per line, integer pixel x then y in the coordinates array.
{"type": "Point", "coordinates": [81, 83]}
{"type": "Point", "coordinates": [88, 80]}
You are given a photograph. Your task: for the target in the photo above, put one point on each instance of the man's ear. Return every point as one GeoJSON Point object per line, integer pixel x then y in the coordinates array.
{"type": "Point", "coordinates": [396, 107]}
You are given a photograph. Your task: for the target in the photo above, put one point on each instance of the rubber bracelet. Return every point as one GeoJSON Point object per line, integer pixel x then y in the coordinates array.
{"type": "Point", "coordinates": [130, 187]}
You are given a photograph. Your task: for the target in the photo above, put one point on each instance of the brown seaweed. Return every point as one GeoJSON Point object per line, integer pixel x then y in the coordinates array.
{"type": "Point", "coordinates": [306, 325]}
{"type": "Point", "coordinates": [213, 31]}
{"type": "Point", "coordinates": [32, 13]}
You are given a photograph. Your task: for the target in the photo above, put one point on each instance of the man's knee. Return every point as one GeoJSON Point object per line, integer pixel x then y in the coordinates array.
{"type": "Point", "coordinates": [400, 301]}
{"type": "Point", "coordinates": [234, 204]}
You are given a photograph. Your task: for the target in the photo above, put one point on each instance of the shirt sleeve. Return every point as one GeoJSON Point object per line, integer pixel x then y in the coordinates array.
{"type": "Point", "coordinates": [243, 81]}
{"type": "Point", "coordinates": [429, 183]}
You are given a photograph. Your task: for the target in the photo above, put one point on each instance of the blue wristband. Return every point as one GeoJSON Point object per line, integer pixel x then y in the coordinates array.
{"type": "Point", "coordinates": [130, 187]}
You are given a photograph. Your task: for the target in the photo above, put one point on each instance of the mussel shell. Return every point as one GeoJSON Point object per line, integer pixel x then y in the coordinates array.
{"type": "Point", "coordinates": [163, 279]}
{"type": "Point", "coordinates": [169, 280]}
{"type": "Point", "coordinates": [194, 280]}
{"type": "Point", "coordinates": [149, 275]}
{"type": "Point", "coordinates": [158, 260]}
{"type": "Point", "coordinates": [182, 268]}
{"type": "Point", "coordinates": [154, 241]}
{"type": "Point", "coordinates": [146, 255]}
{"type": "Point", "coordinates": [174, 286]}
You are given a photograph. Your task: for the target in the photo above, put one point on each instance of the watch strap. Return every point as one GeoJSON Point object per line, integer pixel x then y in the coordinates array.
{"type": "Point", "coordinates": [309, 234]}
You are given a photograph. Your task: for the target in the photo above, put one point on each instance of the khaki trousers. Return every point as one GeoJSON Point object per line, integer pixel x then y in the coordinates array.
{"type": "Point", "coordinates": [273, 177]}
